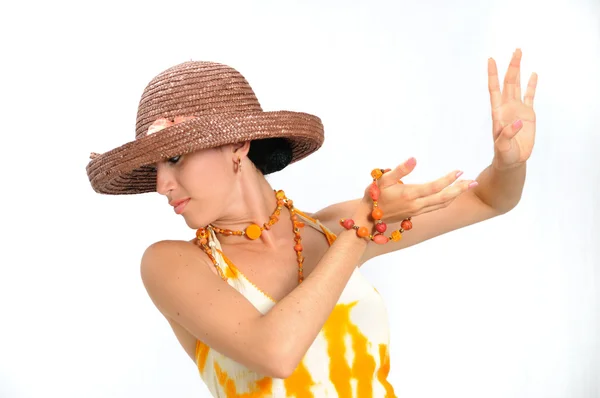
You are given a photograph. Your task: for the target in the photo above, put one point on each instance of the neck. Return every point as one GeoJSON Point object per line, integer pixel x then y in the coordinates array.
{"type": "Point", "coordinates": [253, 202]}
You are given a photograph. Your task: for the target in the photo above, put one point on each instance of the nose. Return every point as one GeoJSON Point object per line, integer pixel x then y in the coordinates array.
{"type": "Point", "coordinates": [164, 180]}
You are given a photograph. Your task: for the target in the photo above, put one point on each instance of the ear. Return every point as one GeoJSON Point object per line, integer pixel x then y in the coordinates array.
{"type": "Point", "coordinates": [240, 149]}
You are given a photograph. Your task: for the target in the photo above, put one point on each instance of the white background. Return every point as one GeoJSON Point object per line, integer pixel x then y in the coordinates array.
{"type": "Point", "coordinates": [506, 308]}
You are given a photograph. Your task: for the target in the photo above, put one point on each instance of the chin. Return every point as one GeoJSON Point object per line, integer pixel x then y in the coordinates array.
{"type": "Point", "coordinates": [191, 222]}
{"type": "Point", "coordinates": [195, 221]}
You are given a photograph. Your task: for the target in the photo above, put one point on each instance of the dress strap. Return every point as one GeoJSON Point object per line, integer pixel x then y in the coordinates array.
{"type": "Point", "coordinates": [217, 252]}
{"type": "Point", "coordinates": [316, 224]}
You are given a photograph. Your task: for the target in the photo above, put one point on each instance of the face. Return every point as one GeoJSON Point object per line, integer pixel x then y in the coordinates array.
{"type": "Point", "coordinates": [205, 179]}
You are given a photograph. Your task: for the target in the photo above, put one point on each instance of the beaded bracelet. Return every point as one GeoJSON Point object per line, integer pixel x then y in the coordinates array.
{"type": "Point", "coordinates": [377, 215]}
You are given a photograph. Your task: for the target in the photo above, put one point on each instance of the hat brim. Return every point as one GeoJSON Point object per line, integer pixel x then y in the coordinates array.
{"type": "Point", "coordinates": [129, 168]}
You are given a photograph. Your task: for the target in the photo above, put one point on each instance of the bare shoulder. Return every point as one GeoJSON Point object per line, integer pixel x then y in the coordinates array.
{"type": "Point", "coordinates": [163, 253]}
{"type": "Point", "coordinates": [181, 281]}
{"type": "Point", "coordinates": [165, 262]}
{"type": "Point", "coordinates": [167, 248]}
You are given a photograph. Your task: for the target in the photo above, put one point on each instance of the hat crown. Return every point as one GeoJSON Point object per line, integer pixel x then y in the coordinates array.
{"type": "Point", "coordinates": [194, 88]}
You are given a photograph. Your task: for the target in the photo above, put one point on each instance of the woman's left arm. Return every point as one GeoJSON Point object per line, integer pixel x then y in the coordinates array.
{"type": "Point", "coordinates": [499, 186]}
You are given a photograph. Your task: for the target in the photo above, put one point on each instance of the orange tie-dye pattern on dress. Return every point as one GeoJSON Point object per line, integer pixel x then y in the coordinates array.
{"type": "Point", "coordinates": [299, 383]}
{"type": "Point", "coordinates": [201, 355]}
{"type": "Point", "coordinates": [263, 387]}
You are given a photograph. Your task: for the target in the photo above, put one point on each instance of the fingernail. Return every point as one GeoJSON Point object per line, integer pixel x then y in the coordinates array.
{"type": "Point", "coordinates": [473, 184]}
{"type": "Point", "coordinates": [459, 174]}
{"type": "Point", "coordinates": [411, 162]}
{"type": "Point", "coordinates": [518, 124]}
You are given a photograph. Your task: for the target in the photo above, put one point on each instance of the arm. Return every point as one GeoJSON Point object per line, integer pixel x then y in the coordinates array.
{"type": "Point", "coordinates": [184, 289]}
{"type": "Point", "coordinates": [497, 192]}
{"type": "Point", "coordinates": [501, 189]}
{"type": "Point", "coordinates": [499, 186]}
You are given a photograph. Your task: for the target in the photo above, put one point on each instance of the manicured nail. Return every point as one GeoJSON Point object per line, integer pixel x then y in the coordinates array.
{"type": "Point", "coordinates": [473, 184]}
{"type": "Point", "coordinates": [518, 124]}
{"type": "Point", "coordinates": [459, 174]}
{"type": "Point", "coordinates": [411, 162]}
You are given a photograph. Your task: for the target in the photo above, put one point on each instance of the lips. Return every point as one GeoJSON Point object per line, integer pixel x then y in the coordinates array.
{"type": "Point", "coordinates": [176, 203]}
{"type": "Point", "coordinates": [181, 204]}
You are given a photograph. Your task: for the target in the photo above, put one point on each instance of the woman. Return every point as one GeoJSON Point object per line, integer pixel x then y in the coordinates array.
{"type": "Point", "coordinates": [268, 300]}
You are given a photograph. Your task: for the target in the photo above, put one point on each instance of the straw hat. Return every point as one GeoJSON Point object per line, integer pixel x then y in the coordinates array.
{"type": "Point", "coordinates": [196, 105]}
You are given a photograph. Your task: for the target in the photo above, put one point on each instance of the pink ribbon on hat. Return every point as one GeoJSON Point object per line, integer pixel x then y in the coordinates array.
{"type": "Point", "coordinates": [163, 123]}
{"type": "Point", "coordinates": [158, 125]}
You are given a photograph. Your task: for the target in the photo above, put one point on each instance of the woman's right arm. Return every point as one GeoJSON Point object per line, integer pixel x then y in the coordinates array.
{"type": "Point", "coordinates": [185, 290]}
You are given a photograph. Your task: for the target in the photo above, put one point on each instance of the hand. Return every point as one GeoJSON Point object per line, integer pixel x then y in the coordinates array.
{"type": "Point", "coordinates": [513, 118]}
{"type": "Point", "coordinates": [399, 201]}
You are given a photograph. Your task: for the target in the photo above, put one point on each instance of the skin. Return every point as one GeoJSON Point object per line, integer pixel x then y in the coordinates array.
{"type": "Point", "coordinates": [184, 284]}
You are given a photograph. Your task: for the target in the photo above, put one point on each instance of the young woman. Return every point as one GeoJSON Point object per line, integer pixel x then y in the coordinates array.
{"type": "Point", "coordinates": [267, 300]}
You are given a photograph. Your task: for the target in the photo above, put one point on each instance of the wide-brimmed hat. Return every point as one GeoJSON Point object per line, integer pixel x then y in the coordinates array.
{"type": "Point", "coordinates": [196, 105]}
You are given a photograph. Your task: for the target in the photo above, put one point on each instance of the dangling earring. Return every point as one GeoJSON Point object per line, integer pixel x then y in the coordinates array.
{"type": "Point", "coordinates": [239, 165]}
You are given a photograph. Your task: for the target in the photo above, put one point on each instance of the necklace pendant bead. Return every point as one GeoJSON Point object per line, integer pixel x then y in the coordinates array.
{"type": "Point", "coordinates": [253, 231]}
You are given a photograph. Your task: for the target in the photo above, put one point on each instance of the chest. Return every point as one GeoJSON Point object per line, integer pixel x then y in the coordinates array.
{"type": "Point", "coordinates": [276, 272]}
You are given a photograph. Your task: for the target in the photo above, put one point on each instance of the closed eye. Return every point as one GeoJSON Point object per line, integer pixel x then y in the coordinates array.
{"type": "Point", "coordinates": [174, 159]}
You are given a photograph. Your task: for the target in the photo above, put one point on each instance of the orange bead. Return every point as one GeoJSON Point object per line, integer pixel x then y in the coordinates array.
{"type": "Point", "coordinates": [280, 195]}
{"type": "Point", "coordinates": [201, 233]}
{"type": "Point", "coordinates": [406, 225]}
{"type": "Point", "coordinates": [396, 236]}
{"type": "Point", "coordinates": [298, 247]}
{"type": "Point", "coordinates": [363, 232]}
{"type": "Point", "coordinates": [377, 213]}
{"type": "Point", "coordinates": [376, 174]}
{"type": "Point", "coordinates": [299, 224]}
{"type": "Point", "coordinates": [253, 232]}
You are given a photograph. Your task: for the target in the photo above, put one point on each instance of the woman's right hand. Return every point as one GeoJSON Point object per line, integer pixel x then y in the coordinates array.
{"type": "Point", "coordinates": [399, 201]}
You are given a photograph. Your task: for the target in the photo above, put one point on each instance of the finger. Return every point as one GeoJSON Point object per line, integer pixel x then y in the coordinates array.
{"type": "Point", "coordinates": [518, 83]}
{"type": "Point", "coordinates": [503, 142]}
{"type": "Point", "coordinates": [399, 172]}
{"type": "Point", "coordinates": [494, 84]}
{"type": "Point", "coordinates": [445, 197]}
{"type": "Point", "coordinates": [510, 78]}
{"type": "Point", "coordinates": [530, 92]}
{"type": "Point", "coordinates": [413, 192]}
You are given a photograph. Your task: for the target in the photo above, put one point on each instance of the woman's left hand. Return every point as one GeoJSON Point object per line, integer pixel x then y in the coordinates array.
{"type": "Point", "coordinates": [513, 117]}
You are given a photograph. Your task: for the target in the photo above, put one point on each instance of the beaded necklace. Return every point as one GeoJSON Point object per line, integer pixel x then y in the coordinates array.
{"type": "Point", "coordinates": [254, 231]}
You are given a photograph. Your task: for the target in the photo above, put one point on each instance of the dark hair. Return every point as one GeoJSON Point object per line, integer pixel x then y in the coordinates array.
{"type": "Point", "coordinates": [271, 154]}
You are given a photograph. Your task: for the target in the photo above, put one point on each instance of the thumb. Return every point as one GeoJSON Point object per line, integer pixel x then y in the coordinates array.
{"type": "Point", "coordinates": [398, 173]}
{"type": "Point", "coordinates": [508, 132]}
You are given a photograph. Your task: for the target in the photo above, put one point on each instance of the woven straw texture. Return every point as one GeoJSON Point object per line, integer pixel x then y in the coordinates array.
{"type": "Point", "coordinates": [225, 110]}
